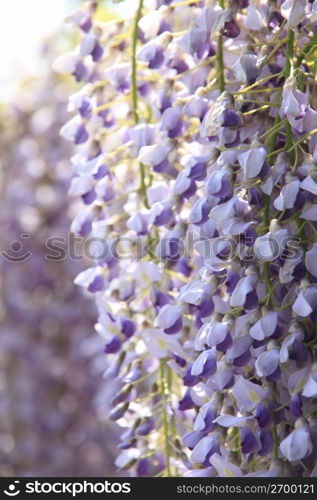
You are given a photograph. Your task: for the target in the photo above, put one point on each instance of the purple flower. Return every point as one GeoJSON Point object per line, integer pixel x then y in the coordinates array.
{"type": "Point", "coordinates": [171, 122]}
{"type": "Point", "coordinates": [144, 467]}
{"type": "Point", "coordinates": [267, 362]}
{"type": "Point", "coordinates": [306, 301]}
{"type": "Point", "coordinates": [310, 387]}
{"type": "Point", "coordinates": [311, 260]}
{"type": "Point", "coordinates": [191, 439]}
{"type": "Point", "coordinates": [118, 411]}
{"type": "Point", "coordinates": [265, 326]}
{"type": "Point", "coordinates": [189, 379]}
{"type": "Point", "coordinates": [267, 443]}
{"type": "Point", "coordinates": [205, 419]}
{"type": "Point", "coordinates": [91, 279]}
{"type": "Point", "coordinates": [205, 365]}
{"type": "Point", "coordinates": [244, 292]}
{"type": "Point", "coordinates": [263, 416]}
{"type": "Point", "coordinates": [186, 403]}
{"type": "Point", "coordinates": [170, 318]}
{"type": "Point", "coordinates": [247, 68]}
{"type": "Point", "coordinates": [155, 156]}
{"type": "Point", "coordinates": [113, 346]}
{"type": "Point", "coordinates": [239, 352]}
{"type": "Point", "coordinates": [75, 131]}
{"type": "Point", "coordinates": [249, 443]}
{"type": "Point", "coordinates": [153, 51]}
{"type": "Point", "coordinates": [252, 161]}
{"type": "Point", "coordinates": [128, 327]}
{"type": "Point", "coordinates": [205, 448]}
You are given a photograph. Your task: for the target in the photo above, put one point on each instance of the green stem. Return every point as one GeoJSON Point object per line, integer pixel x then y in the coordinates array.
{"type": "Point", "coordinates": [266, 212]}
{"type": "Point", "coordinates": [276, 152]}
{"type": "Point", "coordinates": [169, 387]}
{"type": "Point", "coordinates": [289, 53]}
{"type": "Point", "coordinates": [278, 124]}
{"type": "Point", "coordinates": [250, 88]}
{"type": "Point", "coordinates": [274, 425]}
{"type": "Point", "coordinates": [287, 72]}
{"type": "Point", "coordinates": [134, 89]}
{"type": "Point", "coordinates": [279, 408]}
{"type": "Point", "coordinates": [275, 439]}
{"type": "Point", "coordinates": [237, 442]}
{"type": "Point", "coordinates": [165, 419]}
{"type": "Point", "coordinates": [308, 47]}
{"type": "Point", "coordinates": [274, 137]}
{"type": "Point", "coordinates": [221, 78]}
{"type": "Point", "coordinates": [295, 144]}
{"type": "Point", "coordinates": [266, 277]}
{"type": "Point", "coordinates": [289, 141]}
{"type": "Point", "coordinates": [142, 184]}
{"type": "Point", "coordinates": [301, 227]}
{"type": "Point", "coordinates": [312, 342]}
{"type": "Point", "coordinates": [290, 145]}
{"type": "Point", "coordinates": [134, 92]}
{"type": "Point", "coordinates": [220, 64]}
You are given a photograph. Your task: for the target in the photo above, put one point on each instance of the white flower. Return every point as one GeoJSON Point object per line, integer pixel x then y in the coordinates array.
{"type": "Point", "coordinates": [293, 11]}
{"type": "Point", "coordinates": [160, 344]}
{"type": "Point", "coordinates": [297, 445]}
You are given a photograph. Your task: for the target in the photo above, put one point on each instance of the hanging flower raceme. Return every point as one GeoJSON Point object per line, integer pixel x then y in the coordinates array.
{"type": "Point", "coordinates": [196, 163]}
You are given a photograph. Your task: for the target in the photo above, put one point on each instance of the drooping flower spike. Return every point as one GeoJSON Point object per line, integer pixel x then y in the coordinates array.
{"type": "Point", "coordinates": [203, 122]}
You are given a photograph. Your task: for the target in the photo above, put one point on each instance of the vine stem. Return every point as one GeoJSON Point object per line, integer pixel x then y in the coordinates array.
{"type": "Point", "coordinates": [295, 144]}
{"type": "Point", "coordinates": [289, 141]}
{"type": "Point", "coordinates": [266, 211]}
{"type": "Point", "coordinates": [306, 50]}
{"type": "Point", "coordinates": [134, 92]}
{"type": "Point", "coordinates": [134, 88]}
{"type": "Point", "coordinates": [186, 2]}
{"type": "Point", "coordinates": [247, 90]}
{"type": "Point", "coordinates": [287, 71]}
{"type": "Point", "coordinates": [314, 340]}
{"type": "Point", "coordinates": [289, 53]}
{"type": "Point", "coordinates": [165, 419]}
{"type": "Point", "coordinates": [275, 439]}
{"type": "Point", "coordinates": [289, 146]}
{"type": "Point", "coordinates": [220, 64]}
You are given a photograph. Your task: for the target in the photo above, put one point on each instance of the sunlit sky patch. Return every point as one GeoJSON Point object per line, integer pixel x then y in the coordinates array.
{"type": "Point", "coordinates": [23, 25]}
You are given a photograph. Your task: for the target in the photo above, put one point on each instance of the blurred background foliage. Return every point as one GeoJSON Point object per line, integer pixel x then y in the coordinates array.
{"type": "Point", "coordinates": [53, 399]}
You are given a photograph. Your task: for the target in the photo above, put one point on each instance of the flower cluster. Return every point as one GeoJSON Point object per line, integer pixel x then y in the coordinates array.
{"type": "Point", "coordinates": [198, 119]}
{"type": "Point", "coordinates": [53, 400]}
